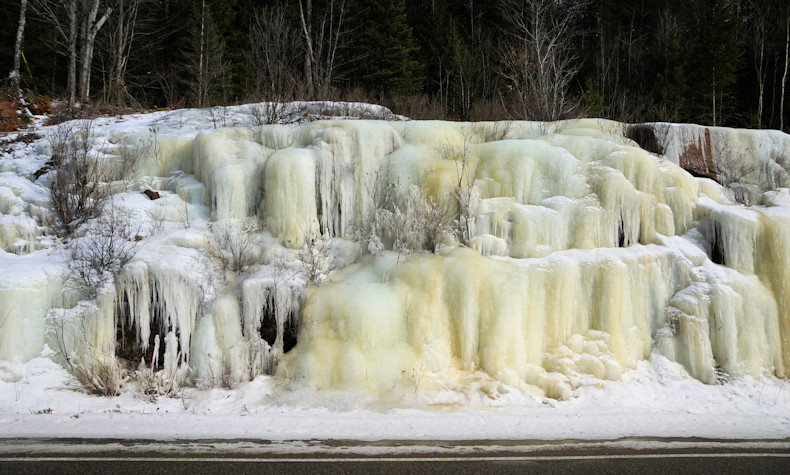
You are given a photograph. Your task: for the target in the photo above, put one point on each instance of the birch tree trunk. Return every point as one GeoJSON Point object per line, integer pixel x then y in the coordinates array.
{"type": "Point", "coordinates": [20, 32]}
{"type": "Point", "coordinates": [306, 17]}
{"type": "Point", "coordinates": [71, 84]}
{"type": "Point", "coordinates": [201, 62]}
{"type": "Point", "coordinates": [759, 33]}
{"type": "Point", "coordinates": [784, 76]}
{"type": "Point", "coordinates": [124, 38]}
{"type": "Point", "coordinates": [92, 28]}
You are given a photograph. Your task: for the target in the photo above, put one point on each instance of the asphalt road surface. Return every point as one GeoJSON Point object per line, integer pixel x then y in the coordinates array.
{"type": "Point", "coordinates": [639, 456]}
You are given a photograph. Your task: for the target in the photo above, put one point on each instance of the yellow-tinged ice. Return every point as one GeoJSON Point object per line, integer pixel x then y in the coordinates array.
{"type": "Point", "coordinates": [576, 254]}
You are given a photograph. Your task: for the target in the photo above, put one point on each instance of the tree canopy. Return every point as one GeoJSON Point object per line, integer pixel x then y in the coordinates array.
{"type": "Point", "coordinates": [717, 62]}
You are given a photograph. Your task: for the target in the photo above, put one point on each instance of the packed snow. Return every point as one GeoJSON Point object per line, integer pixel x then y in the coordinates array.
{"type": "Point", "coordinates": [390, 279]}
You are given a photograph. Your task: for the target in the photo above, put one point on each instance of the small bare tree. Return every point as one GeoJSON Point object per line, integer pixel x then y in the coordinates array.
{"type": "Point", "coordinates": [98, 373]}
{"type": "Point", "coordinates": [465, 178]}
{"type": "Point", "coordinates": [64, 16]}
{"type": "Point", "coordinates": [232, 246]}
{"type": "Point", "coordinates": [315, 258]}
{"type": "Point", "coordinates": [77, 186]}
{"type": "Point", "coordinates": [735, 172]}
{"type": "Point", "coordinates": [130, 155]}
{"type": "Point", "coordinates": [539, 60]}
{"type": "Point", "coordinates": [207, 60]}
{"type": "Point", "coordinates": [417, 224]}
{"type": "Point", "coordinates": [272, 42]}
{"type": "Point", "coordinates": [106, 246]}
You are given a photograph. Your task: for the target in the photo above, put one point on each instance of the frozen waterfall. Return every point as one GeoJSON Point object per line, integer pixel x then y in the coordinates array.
{"type": "Point", "coordinates": [563, 252]}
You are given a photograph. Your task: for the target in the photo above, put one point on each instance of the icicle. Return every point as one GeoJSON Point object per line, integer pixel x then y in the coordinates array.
{"type": "Point", "coordinates": [166, 293]}
{"type": "Point", "coordinates": [156, 351]}
{"type": "Point", "coordinates": [271, 293]}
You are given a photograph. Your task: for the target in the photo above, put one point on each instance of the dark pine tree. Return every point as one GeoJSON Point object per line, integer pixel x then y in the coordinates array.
{"type": "Point", "coordinates": [386, 51]}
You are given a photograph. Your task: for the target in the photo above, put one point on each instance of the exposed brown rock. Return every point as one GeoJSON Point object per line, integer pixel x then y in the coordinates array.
{"type": "Point", "coordinates": [151, 194]}
{"type": "Point", "coordinates": [697, 158]}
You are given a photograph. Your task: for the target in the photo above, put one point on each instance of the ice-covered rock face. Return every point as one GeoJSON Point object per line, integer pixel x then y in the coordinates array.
{"type": "Point", "coordinates": [564, 254]}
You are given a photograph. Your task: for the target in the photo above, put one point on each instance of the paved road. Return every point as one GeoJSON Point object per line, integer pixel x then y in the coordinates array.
{"type": "Point", "coordinates": [567, 457]}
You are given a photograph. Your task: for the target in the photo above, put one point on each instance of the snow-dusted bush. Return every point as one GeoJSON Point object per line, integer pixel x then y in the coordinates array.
{"type": "Point", "coordinates": [77, 185]}
{"type": "Point", "coordinates": [406, 224]}
{"type": "Point", "coordinates": [97, 372]}
{"type": "Point", "coordinates": [132, 154]}
{"type": "Point", "coordinates": [315, 259]}
{"type": "Point", "coordinates": [167, 382]}
{"type": "Point", "coordinates": [107, 244]}
{"type": "Point", "coordinates": [466, 175]}
{"type": "Point", "coordinates": [416, 224]}
{"type": "Point", "coordinates": [736, 172]}
{"type": "Point", "coordinates": [232, 246]}
{"type": "Point", "coordinates": [264, 113]}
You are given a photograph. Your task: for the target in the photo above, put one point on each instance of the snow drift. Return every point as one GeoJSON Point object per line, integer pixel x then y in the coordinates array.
{"type": "Point", "coordinates": [545, 255]}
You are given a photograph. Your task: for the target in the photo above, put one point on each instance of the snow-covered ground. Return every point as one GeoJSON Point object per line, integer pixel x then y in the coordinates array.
{"type": "Point", "coordinates": [658, 399]}
{"type": "Point", "coordinates": [39, 398]}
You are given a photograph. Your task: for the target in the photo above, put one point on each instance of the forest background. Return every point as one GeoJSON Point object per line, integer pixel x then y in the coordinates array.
{"type": "Point", "coordinates": [714, 62]}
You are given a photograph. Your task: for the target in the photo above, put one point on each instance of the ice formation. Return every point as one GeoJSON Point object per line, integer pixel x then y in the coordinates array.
{"type": "Point", "coordinates": [564, 252]}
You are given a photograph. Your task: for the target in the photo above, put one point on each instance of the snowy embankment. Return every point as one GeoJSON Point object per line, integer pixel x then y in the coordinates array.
{"type": "Point", "coordinates": [392, 280]}
{"type": "Point", "coordinates": [657, 399]}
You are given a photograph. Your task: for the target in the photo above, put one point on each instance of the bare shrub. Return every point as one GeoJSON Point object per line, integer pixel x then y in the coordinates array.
{"type": "Point", "coordinates": [98, 373]}
{"type": "Point", "coordinates": [77, 187]}
{"type": "Point", "coordinates": [130, 155]}
{"type": "Point", "coordinates": [167, 382]}
{"type": "Point", "coordinates": [157, 218]}
{"type": "Point", "coordinates": [60, 140]}
{"type": "Point", "coordinates": [264, 113]}
{"type": "Point", "coordinates": [217, 373]}
{"type": "Point", "coordinates": [539, 58]}
{"type": "Point", "coordinates": [218, 116]}
{"type": "Point", "coordinates": [315, 259]}
{"type": "Point", "coordinates": [232, 246]}
{"type": "Point", "coordinates": [466, 176]}
{"type": "Point", "coordinates": [408, 224]}
{"type": "Point", "coordinates": [106, 246]}
{"type": "Point", "coordinates": [274, 53]}
{"type": "Point", "coordinates": [418, 224]}
{"type": "Point", "coordinates": [735, 172]}
{"type": "Point", "coordinates": [492, 131]}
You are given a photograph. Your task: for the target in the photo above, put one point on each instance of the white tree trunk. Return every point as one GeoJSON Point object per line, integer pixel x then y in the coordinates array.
{"type": "Point", "coordinates": [201, 68]}
{"type": "Point", "coordinates": [306, 17]}
{"type": "Point", "coordinates": [92, 28]}
{"type": "Point", "coordinates": [72, 41]}
{"type": "Point", "coordinates": [784, 76]}
{"type": "Point", "coordinates": [20, 32]}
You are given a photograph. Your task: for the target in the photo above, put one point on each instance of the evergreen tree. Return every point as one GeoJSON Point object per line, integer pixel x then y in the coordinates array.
{"type": "Point", "coordinates": [718, 60]}
{"type": "Point", "coordinates": [386, 50]}
{"type": "Point", "coordinates": [434, 32]}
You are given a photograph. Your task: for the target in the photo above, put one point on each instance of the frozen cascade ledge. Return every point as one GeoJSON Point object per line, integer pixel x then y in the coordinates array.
{"type": "Point", "coordinates": [579, 256]}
